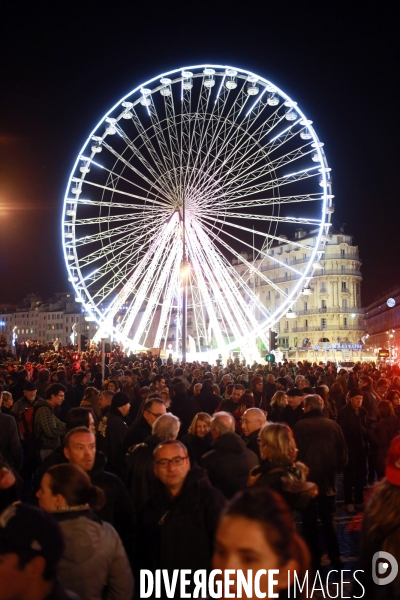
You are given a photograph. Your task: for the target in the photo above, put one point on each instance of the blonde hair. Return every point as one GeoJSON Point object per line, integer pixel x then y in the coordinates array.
{"type": "Point", "coordinates": [278, 398]}
{"type": "Point", "coordinates": [278, 441]}
{"type": "Point", "coordinates": [201, 416]}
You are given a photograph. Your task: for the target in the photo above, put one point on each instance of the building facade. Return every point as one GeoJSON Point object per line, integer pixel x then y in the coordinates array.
{"type": "Point", "coordinates": [382, 324]}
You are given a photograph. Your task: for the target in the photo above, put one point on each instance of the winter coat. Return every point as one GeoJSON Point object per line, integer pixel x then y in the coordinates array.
{"type": "Point", "coordinates": [185, 409]}
{"type": "Point", "coordinates": [140, 479]}
{"type": "Point", "coordinates": [137, 433]}
{"type": "Point", "coordinates": [94, 564]}
{"type": "Point", "coordinates": [110, 437]}
{"type": "Point", "coordinates": [47, 428]}
{"type": "Point", "coordinates": [275, 415]}
{"type": "Point", "coordinates": [10, 445]}
{"type": "Point", "coordinates": [197, 446]}
{"type": "Point", "coordinates": [291, 416]}
{"type": "Point", "coordinates": [370, 402]}
{"type": "Point", "coordinates": [252, 444]}
{"type": "Point", "coordinates": [208, 401]}
{"type": "Point", "coordinates": [280, 477]}
{"type": "Point", "coordinates": [338, 399]}
{"type": "Point", "coordinates": [381, 436]}
{"type": "Point", "coordinates": [178, 533]}
{"type": "Point", "coordinates": [355, 427]}
{"type": "Point", "coordinates": [228, 463]}
{"type": "Point", "coordinates": [322, 448]}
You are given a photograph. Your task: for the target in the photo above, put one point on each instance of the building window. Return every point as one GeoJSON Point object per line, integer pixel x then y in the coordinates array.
{"type": "Point", "coordinates": [305, 305]}
{"type": "Point", "coordinates": [345, 321]}
{"type": "Point", "coordinates": [323, 323]}
{"type": "Point", "coordinates": [306, 324]}
{"type": "Point", "coordinates": [343, 269]}
{"type": "Point", "coordinates": [343, 253]}
{"type": "Point", "coordinates": [343, 286]}
{"type": "Point", "coordinates": [323, 304]}
{"type": "Point", "coordinates": [344, 303]}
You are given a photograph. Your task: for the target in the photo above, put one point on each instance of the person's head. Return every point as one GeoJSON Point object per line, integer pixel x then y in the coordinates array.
{"type": "Point", "coordinates": [313, 402]}
{"type": "Point", "coordinates": [294, 397]}
{"type": "Point", "coordinates": [365, 381]}
{"type": "Point", "coordinates": [31, 545]}
{"type": "Point", "coordinates": [44, 375]}
{"type": "Point", "coordinates": [68, 486]}
{"type": "Point", "coordinates": [80, 448]}
{"type": "Point", "coordinates": [385, 409]}
{"type": "Point", "coordinates": [30, 391]}
{"type": "Point", "coordinates": [271, 379]}
{"type": "Point", "coordinates": [256, 531]}
{"type": "Point", "coordinates": [81, 416]}
{"type": "Point", "coordinates": [394, 397]}
{"type": "Point", "coordinates": [304, 383]}
{"type": "Point", "coordinates": [383, 385]}
{"type": "Point", "coordinates": [196, 389]}
{"type": "Point", "coordinates": [55, 394]}
{"type": "Point", "coordinates": [279, 398]}
{"type": "Point", "coordinates": [277, 443]}
{"type": "Point", "coordinates": [337, 388]}
{"type": "Point", "coordinates": [171, 465]}
{"type": "Point", "coordinates": [323, 391]}
{"type": "Point", "coordinates": [166, 427]}
{"type": "Point", "coordinates": [257, 384]}
{"type": "Point", "coordinates": [229, 390]}
{"type": "Point", "coordinates": [81, 378]}
{"type": "Point", "coordinates": [237, 392]}
{"type": "Point", "coordinates": [121, 403]}
{"type": "Point", "coordinates": [91, 394]}
{"type": "Point", "coordinates": [153, 408]}
{"type": "Point", "coordinates": [159, 381]}
{"type": "Point", "coordinates": [222, 423]}
{"type": "Point", "coordinates": [111, 385]}
{"type": "Point", "coordinates": [281, 383]}
{"type": "Point", "coordinates": [253, 419]}
{"type": "Point", "coordinates": [105, 399]}
{"type": "Point", "coordinates": [6, 400]}
{"type": "Point", "coordinates": [200, 425]}
{"type": "Point", "coordinates": [355, 398]}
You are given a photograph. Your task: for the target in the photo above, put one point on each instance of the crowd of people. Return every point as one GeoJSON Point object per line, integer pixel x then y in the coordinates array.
{"type": "Point", "coordinates": [162, 465]}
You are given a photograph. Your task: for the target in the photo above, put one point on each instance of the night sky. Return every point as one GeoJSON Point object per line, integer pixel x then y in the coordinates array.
{"type": "Point", "coordinates": [65, 64]}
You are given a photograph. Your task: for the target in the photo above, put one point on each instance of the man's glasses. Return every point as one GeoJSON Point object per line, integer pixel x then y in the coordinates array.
{"type": "Point", "coordinates": [177, 461]}
{"type": "Point", "coordinates": [155, 414]}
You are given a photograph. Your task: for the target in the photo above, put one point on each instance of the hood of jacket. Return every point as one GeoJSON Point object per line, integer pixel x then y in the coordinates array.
{"type": "Point", "coordinates": [230, 442]}
{"type": "Point", "coordinates": [40, 402]}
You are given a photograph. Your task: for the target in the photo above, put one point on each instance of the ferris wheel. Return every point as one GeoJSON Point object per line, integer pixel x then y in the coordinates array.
{"type": "Point", "coordinates": [179, 201]}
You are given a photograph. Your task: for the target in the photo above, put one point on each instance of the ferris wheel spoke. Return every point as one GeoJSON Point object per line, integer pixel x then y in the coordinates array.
{"type": "Point", "coordinates": [104, 204]}
{"type": "Point", "coordinates": [163, 189]}
{"type": "Point", "coordinates": [266, 169]}
{"type": "Point", "coordinates": [170, 161]}
{"type": "Point", "coordinates": [150, 147]}
{"type": "Point", "coordinates": [239, 192]}
{"type": "Point", "coordinates": [271, 218]}
{"type": "Point", "coordinates": [270, 201]}
{"type": "Point", "coordinates": [198, 260]}
{"type": "Point", "coordinates": [119, 269]}
{"type": "Point", "coordinates": [115, 190]}
{"type": "Point", "coordinates": [164, 272]}
{"type": "Point", "coordinates": [167, 305]}
{"type": "Point", "coordinates": [155, 266]}
{"type": "Point", "coordinates": [99, 237]}
{"type": "Point", "coordinates": [256, 232]}
{"type": "Point", "coordinates": [216, 276]}
{"type": "Point", "coordinates": [115, 219]}
{"type": "Point", "coordinates": [173, 135]}
{"type": "Point", "coordinates": [115, 177]}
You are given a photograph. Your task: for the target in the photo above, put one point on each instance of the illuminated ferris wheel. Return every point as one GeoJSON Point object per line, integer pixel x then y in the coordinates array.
{"type": "Point", "coordinates": [190, 175]}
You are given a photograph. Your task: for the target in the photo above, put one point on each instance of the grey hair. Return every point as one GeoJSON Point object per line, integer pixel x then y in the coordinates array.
{"type": "Point", "coordinates": [166, 427]}
{"type": "Point", "coordinates": [4, 396]}
{"type": "Point", "coordinates": [223, 422]}
{"type": "Point", "coordinates": [314, 401]}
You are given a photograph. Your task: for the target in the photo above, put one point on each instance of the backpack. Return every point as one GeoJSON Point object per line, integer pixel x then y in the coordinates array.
{"type": "Point", "coordinates": [25, 422]}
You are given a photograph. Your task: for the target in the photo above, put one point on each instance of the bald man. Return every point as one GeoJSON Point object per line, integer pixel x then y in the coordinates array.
{"type": "Point", "coordinates": [252, 421]}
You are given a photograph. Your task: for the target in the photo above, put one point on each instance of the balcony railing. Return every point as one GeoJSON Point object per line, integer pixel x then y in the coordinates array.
{"type": "Point", "coordinates": [327, 328]}
{"type": "Point", "coordinates": [330, 309]}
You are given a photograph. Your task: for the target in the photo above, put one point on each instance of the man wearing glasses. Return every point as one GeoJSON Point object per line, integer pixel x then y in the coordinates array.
{"type": "Point", "coordinates": [177, 524]}
{"type": "Point", "coordinates": [47, 429]}
{"type": "Point", "coordinates": [141, 428]}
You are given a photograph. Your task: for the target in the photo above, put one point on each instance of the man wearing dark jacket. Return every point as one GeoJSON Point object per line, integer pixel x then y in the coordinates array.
{"type": "Point", "coordinates": [141, 428]}
{"type": "Point", "coordinates": [229, 462]}
{"type": "Point", "coordinates": [80, 449]}
{"type": "Point", "coordinates": [293, 412]}
{"type": "Point", "coordinates": [10, 446]}
{"type": "Point", "coordinates": [252, 421]}
{"type": "Point", "coordinates": [48, 430]}
{"type": "Point", "coordinates": [322, 448]}
{"type": "Point", "coordinates": [177, 524]}
{"type": "Point", "coordinates": [354, 421]}
{"type": "Point", "coordinates": [139, 461]}
{"type": "Point", "coordinates": [111, 432]}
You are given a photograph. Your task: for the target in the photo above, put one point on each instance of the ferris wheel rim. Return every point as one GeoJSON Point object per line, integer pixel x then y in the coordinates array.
{"type": "Point", "coordinates": [326, 185]}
